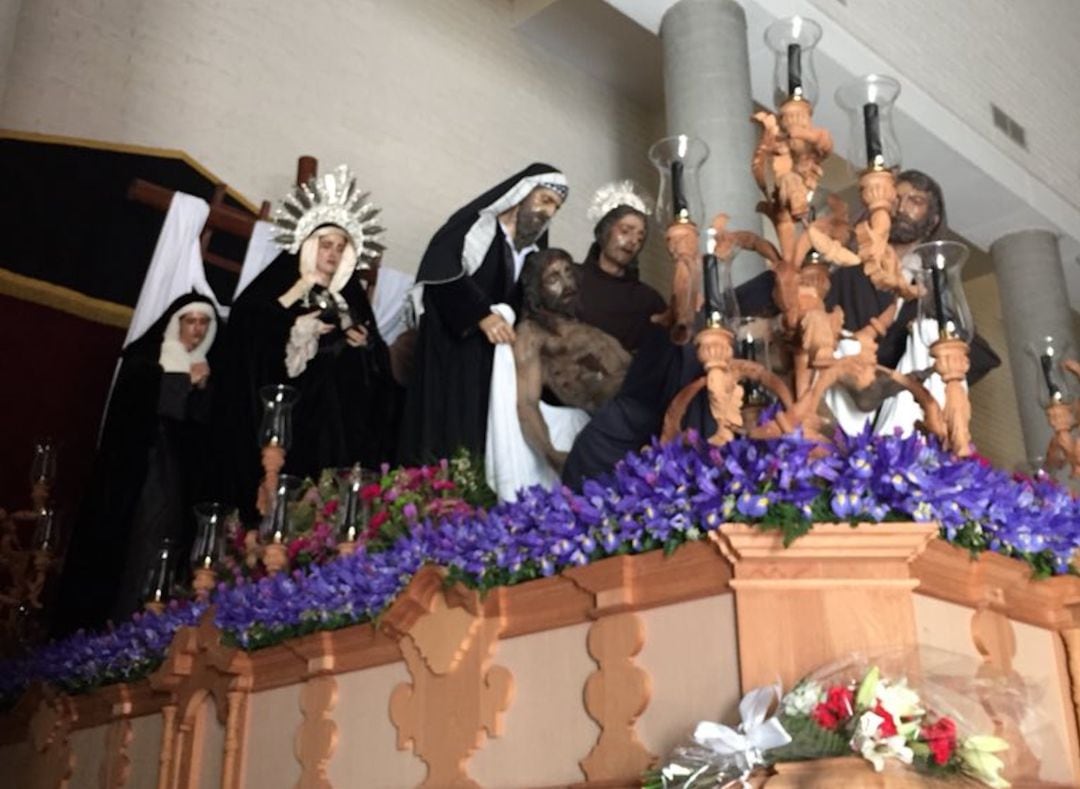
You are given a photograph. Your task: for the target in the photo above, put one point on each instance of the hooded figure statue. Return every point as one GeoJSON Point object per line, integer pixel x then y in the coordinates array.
{"type": "Point", "coordinates": [471, 264]}
{"type": "Point", "coordinates": [305, 321]}
{"type": "Point", "coordinates": [150, 467]}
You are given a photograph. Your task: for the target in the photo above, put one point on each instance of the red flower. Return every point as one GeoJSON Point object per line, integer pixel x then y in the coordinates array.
{"type": "Point", "coordinates": [442, 484]}
{"type": "Point", "coordinates": [370, 492]}
{"type": "Point", "coordinates": [887, 727]}
{"type": "Point", "coordinates": [836, 709]}
{"type": "Point", "coordinates": [330, 508]}
{"type": "Point", "coordinates": [941, 737]}
{"type": "Point", "coordinates": [295, 547]}
{"type": "Point", "coordinates": [377, 520]}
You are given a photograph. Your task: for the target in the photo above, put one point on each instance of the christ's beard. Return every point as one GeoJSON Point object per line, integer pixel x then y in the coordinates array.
{"type": "Point", "coordinates": [563, 304]}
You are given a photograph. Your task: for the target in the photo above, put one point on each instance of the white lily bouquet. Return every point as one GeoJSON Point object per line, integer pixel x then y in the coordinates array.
{"type": "Point", "coordinates": [866, 715]}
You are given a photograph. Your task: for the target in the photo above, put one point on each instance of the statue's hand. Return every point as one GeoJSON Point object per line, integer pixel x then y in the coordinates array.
{"type": "Point", "coordinates": [497, 330]}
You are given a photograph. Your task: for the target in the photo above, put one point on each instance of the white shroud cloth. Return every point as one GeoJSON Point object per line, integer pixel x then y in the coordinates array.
{"type": "Point", "coordinates": [899, 412]}
{"type": "Point", "coordinates": [391, 303]}
{"type": "Point", "coordinates": [261, 251]}
{"type": "Point", "coordinates": [176, 267]}
{"type": "Point", "coordinates": [511, 463]}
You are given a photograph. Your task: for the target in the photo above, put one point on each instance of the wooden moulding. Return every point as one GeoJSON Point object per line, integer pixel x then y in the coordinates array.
{"type": "Point", "coordinates": [837, 590]}
{"type": "Point", "coordinates": [1004, 585]}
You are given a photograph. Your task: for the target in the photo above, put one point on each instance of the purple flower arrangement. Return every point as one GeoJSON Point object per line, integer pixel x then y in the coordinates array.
{"type": "Point", "coordinates": [84, 661]}
{"type": "Point", "coordinates": [658, 498]}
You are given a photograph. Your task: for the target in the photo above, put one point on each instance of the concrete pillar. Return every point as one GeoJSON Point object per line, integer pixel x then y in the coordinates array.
{"type": "Point", "coordinates": [1034, 303]}
{"type": "Point", "coordinates": [707, 94]}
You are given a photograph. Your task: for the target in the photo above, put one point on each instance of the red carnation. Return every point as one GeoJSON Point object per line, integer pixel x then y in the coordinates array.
{"type": "Point", "coordinates": [887, 727]}
{"type": "Point", "coordinates": [837, 708]}
{"type": "Point", "coordinates": [370, 492]}
{"type": "Point", "coordinates": [941, 737]}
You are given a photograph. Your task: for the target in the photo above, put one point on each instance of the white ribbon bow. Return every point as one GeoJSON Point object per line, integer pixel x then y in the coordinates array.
{"type": "Point", "coordinates": [755, 735]}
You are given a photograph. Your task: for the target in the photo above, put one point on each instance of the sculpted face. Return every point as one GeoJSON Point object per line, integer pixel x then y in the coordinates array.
{"type": "Point", "coordinates": [328, 255]}
{"type": "Point", "coordinates": [625, 240]}
{"type": "Point", "coordinates": [534, 213]}
{"type": "Point", "coordinates": [558, 286]}
{"type": "Point", "coordinates": [193, 328]}
{"type": "Point", "coordinates": [913, 217]}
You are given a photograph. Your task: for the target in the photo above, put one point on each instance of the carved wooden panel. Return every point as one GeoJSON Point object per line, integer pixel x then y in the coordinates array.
{"type": "Point", "coordinates": [317, 737]}
{"type": "Point", "coordinates": [615, 696]}
{"type": "Point", "coordinates": [116, 765]}
{"type": "Point", "coordinates": [53, 761]}
{"type": "Point", "coordinates": [456, 695]}
{"type": "Point", "coordinates": [198, 668]}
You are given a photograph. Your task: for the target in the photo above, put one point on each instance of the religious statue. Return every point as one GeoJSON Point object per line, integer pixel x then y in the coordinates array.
{"type": "Point", "coordinates": [471, 265]}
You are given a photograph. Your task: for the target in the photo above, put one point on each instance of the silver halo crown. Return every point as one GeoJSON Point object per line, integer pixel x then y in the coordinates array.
{"type": "Point", "coordinates": [332, 198]}
{"type": "Point", "coordinates": [615, 194]}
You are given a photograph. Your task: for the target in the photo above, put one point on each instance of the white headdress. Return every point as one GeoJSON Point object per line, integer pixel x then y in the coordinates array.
{"type": "Point", "coordinates": [615, 194]}
{"type": "Point", "coordinates": [329, 199]}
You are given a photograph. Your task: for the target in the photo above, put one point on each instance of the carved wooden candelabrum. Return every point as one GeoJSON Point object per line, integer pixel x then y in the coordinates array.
{"type": "Point", "coordinates": [811, 235]}
{"type": "Point", "coordinates": [29, 549]}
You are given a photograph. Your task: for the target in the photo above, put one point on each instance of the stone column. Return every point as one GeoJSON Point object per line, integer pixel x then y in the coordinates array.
{"type": "Point", "coordinates": [707, 94]}
{"type": "Point", "coordinates": [1034, 303]}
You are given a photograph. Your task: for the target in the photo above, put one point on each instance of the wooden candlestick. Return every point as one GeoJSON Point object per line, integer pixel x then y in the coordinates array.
{"type": "Point", "coordinates": [682, 246]}
{"type": "Point", "coordinates": [39, 495]}
{"type": "Point", "coordinates": [154, 607]}
{"type": "Point", "coordinates": [715, 350]}
{"type": "Point", "coordinates": [204, 582]}
{"type": "Point", "coordinates": [346, 547]}
{"type": "Point", "coordinates": [1064, 448]}
{"type": "Point", "coordinates": [274, 558]}
{"type": "Point", "coordinates": [273, 460]}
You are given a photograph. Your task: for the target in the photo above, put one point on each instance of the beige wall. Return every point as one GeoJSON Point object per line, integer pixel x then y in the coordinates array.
{"type": "Point", "coordinates": [432, 102]}
{"type": "Point", "coordinates": [969, 53]}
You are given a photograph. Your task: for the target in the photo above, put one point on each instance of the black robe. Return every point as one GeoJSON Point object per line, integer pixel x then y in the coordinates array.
{"type": "Point", "coordinates": [347, 410]}
{"type": "Point", "coordinates": [446, 403]}
{"type": "Point", "coordinates": [659, 370]}
{"type": "Point", "coordinates": [852, 291]}
{"type": "Point", "coordinates": [621, 306]}
{"type": "Point", "coordinates": [151, 468]}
